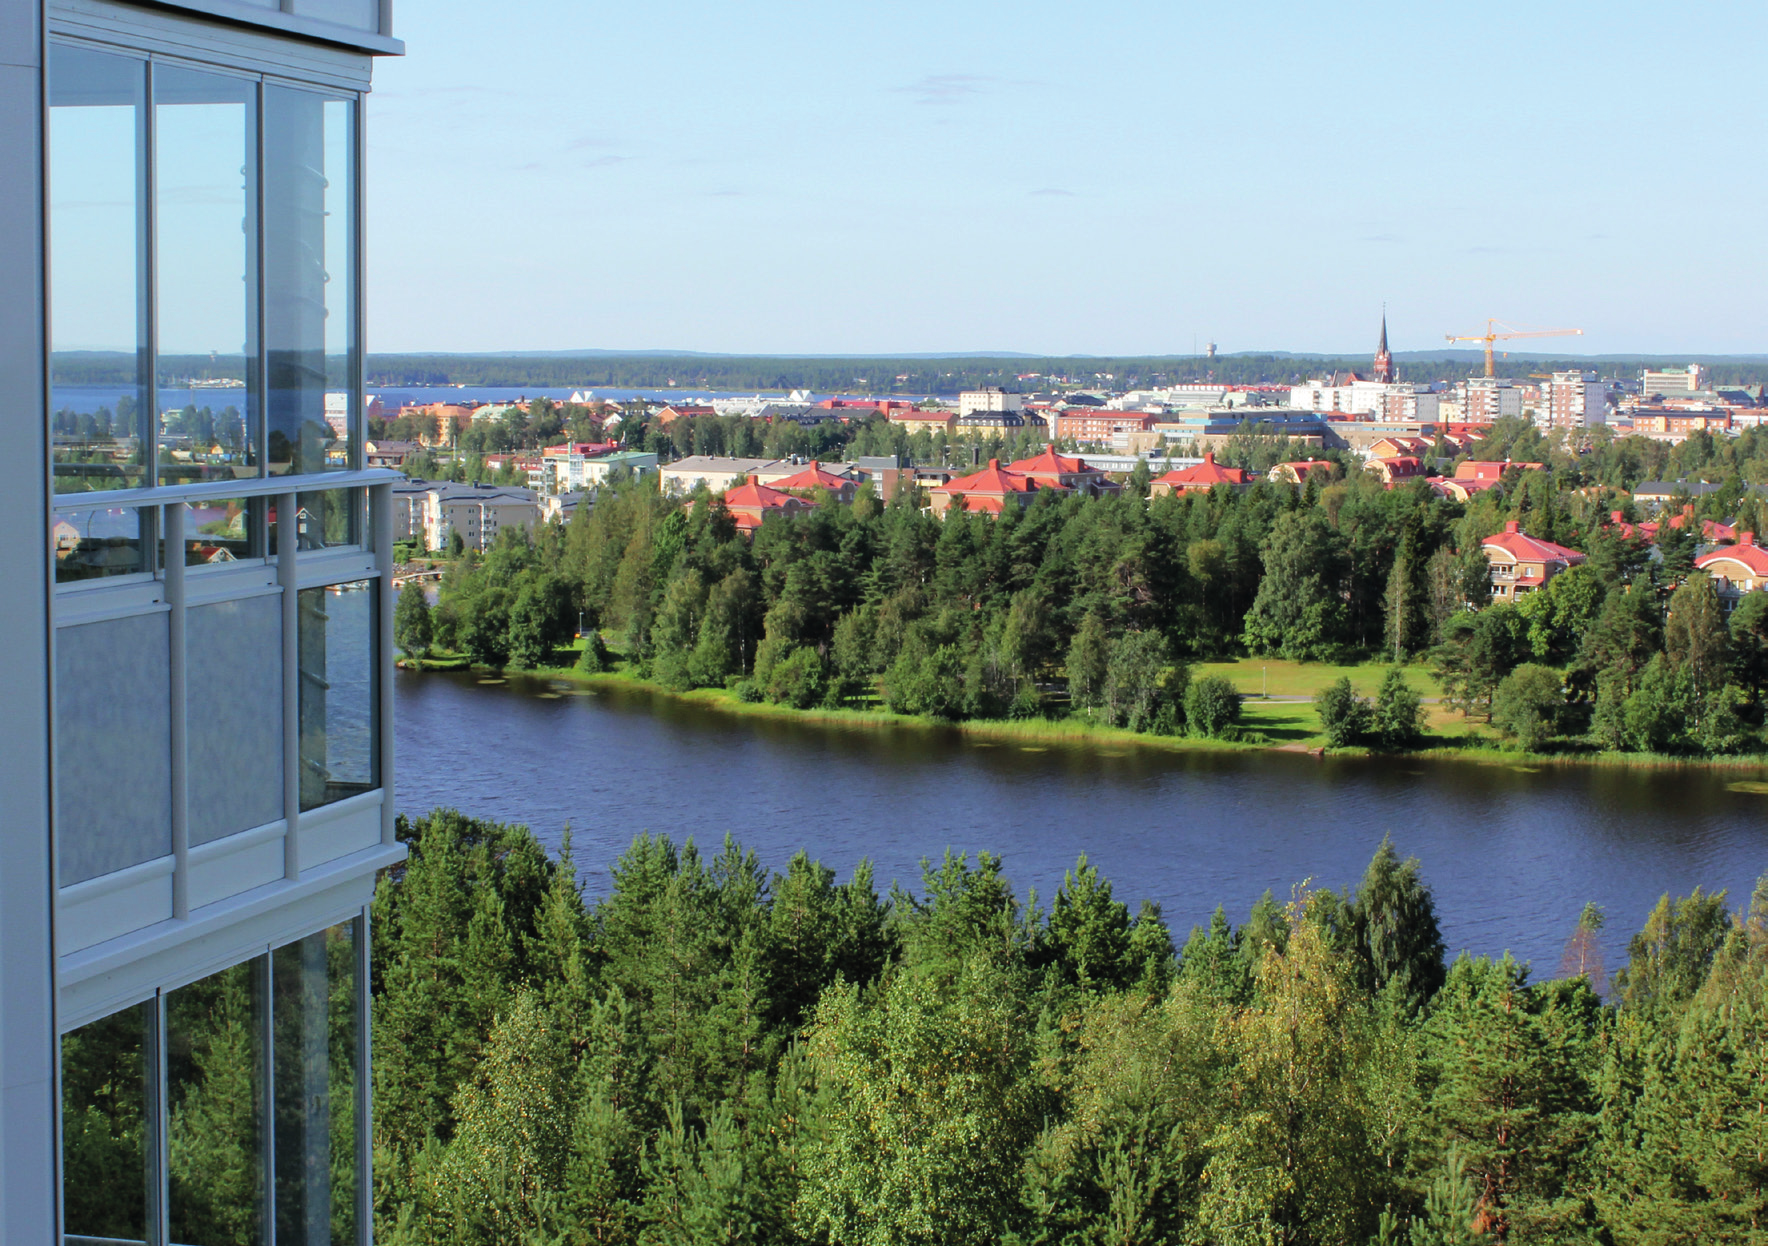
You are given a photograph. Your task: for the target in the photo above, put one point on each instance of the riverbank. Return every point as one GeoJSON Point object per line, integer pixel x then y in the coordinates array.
{"type": "Point", "coordinates": [1273, 725]}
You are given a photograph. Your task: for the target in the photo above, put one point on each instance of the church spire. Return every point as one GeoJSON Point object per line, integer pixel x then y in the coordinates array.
{"type": "Point", "coordinates": [1384, 369]}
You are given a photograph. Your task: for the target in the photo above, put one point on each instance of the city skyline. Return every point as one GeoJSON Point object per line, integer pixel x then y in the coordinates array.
{"type": "Point", "coordinates": [788, 180]}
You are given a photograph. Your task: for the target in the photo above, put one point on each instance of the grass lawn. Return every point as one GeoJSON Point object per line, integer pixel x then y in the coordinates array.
{"type": "Point", "coordinates": [1304, 679]}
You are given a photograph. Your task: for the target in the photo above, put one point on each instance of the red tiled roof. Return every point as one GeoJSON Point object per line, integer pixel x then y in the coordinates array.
{"type": "Point", "coordinates": [1208, 472]}
{"type": "Point", "coordinates": [812, 477]}
{"type": "Point", "coordinates": [757, 496]}
{"type": "Point", "coordinates": [1746, 552]}
{"type": "Point", "coordinates": [1522, 547]}
{"type": "Point", "coordinates": [1490, 470]}
{"type": "Point", "coordinates": [1049, 463]}
{"type": "Point", "coordinates": [992, 479]}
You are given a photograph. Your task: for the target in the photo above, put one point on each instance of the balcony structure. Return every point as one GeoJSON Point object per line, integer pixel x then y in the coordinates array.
{"type": "Point", "coordinates": [198, 618]}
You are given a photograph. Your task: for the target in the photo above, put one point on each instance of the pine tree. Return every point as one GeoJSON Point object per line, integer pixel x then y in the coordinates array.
{"type": "Point", "coordinates": [1394, 927]}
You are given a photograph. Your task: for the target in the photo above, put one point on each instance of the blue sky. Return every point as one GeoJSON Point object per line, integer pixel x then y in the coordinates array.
{"type": "Point", "coordinates": [1056, 177]}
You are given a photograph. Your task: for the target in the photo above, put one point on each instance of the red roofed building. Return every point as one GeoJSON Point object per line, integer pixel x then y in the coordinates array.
{"type": "Point", "coordinates": [1061, 471]}
{"type": "Point", "coordinates": [751, 502]}
{"type": "Point", "coordinates": [1395, 471]}
{"type": "Point", "coordinates": [1300, 473]}
{"type": "Point", "coordinates": [816, 476]}
{"type": "Point", "coordinates": [1521, 564]}
{"type": "Point", "coordinates": [1199, 478]}
{"type": "Point", "coordinates": [992, 489]}
{"type": "Point", "coordinates": [1490, 472]}
{"type": "Point", "coordinates": [1736, 569]}
{"type": "Point", "coordinates": [669, 415]}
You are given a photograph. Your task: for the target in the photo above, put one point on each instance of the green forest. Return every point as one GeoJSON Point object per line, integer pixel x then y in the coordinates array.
{"type": "Point", "coordinates": [1096, 608]}
{"type": "Point", "coordinates": [714, 1052]}
{"type": "Point", "coordinates": [862, 374]}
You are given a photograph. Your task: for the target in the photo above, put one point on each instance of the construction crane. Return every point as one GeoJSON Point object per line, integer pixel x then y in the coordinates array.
{"type": "Point", "coordinates": [1498, 331]}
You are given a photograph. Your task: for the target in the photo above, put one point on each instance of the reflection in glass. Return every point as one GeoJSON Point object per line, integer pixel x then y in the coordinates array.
{"type": "Point", "coordinates": [106, 1106]}
{"type": "Point", "coordinates": [325, 520]}
{"type": "Point", "coordinates": [309, 289]}
{"type": "Point", "coordinates": [315, 1057]}
{"type": "Point", "coordinates": [338, 752]}
{"type": "Point", "coordinates": [204, 197]}
{"type": "Point", "coordinates": [221, 531]}
{"type": "Point", "coordinates": [92, 544]}
{"type": "Point", "coordinates": [100, 400]}
{"type": "Point", "coordinates": [214, 1103]}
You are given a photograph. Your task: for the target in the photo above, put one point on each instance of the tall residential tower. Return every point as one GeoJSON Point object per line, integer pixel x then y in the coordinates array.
{"type": "Point", "coordinates": [198, 779]}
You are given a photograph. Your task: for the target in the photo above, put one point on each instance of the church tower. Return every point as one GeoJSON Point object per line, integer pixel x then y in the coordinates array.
{"type": "Point", "coordinates": [1384, 370]}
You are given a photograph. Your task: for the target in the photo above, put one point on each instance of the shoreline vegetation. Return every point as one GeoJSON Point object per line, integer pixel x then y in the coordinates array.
{"type": "Point", "coordinates": [1461, 742]}
{"type": "Point", "coordinates": [1368, 614]}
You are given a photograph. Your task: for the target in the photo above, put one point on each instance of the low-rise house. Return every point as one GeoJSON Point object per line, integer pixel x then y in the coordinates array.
{"type": "Point", "coordinates": [1299, 473]}
{"type": "Point", "coordinates": [751, 502]}
{"type": "Point", "coordinates": [992, 490]}
{"type": "Point", "coordinates": [1200, 478]}
{"type": "Point", "coordinates": [1395, 471]}
{"type": "Point", "coordinates": [1061, 471]}
{"type": "Point", "coordinates": [1736, 569]}
{"type": "Point", "coordinates": [717, 473]}
{"type": "Point", "coordinates": [680, 411]}
{"type": "Point", "coordinates": [922, 419]}
{"type": "Point", "coordinates": [1521, 563]}
{"type": "Point", "coordinates": [1490, 472]}
{"type": "Point", "coordinates": [815, 476]}
{"type": "Point", "coordinates": [1398, 446]}
{"type": "Point", "coordinates": [392, 454]}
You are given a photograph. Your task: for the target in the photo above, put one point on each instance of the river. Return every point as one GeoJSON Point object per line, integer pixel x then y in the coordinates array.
{"type": "Point", "coordinates": [1512, 855]}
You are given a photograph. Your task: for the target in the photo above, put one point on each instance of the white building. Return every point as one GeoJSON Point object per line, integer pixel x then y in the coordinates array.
{"type": "Point", "coordinates": [989, 398]}
{"type": "Point", "coordinates": [198, 783]}
{"type": "Point", "coordinates": [1410, 404]}
{"type": "Point", "coordinates": [1357, 397]}
{"type": "Point", "coordinates": [1671, 382]}
{"type": "Point", "coordinates": [1572, 400]}
{"type": "Point", "coordinates": [1485, 398]}
{"type": "Point", "coordinates": [477, 512]}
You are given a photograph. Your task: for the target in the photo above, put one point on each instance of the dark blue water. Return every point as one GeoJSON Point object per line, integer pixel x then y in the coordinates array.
{"type": "Point", "coordinates": [1512, 856]}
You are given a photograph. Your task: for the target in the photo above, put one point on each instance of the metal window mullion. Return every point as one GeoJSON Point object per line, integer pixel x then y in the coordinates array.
{"type": "Point", "coordinates": [267, 1101]}
{"type": "Point", "coordinates": [358, 305]}
{"type": "Point", "coordinates": [382, 512]}
{"type": "Point", "coordinates": [288, 575]}
{"type": "Point", "coordinates": [148, 188]}
{"type": "Point", "coordinates": [159, 1229]}
{"type": "Point", "coordinates": [178, 727]}
{"type": "Point", "coordinates": [260, 320]}
{"type": "Point", "coordinates": [364, 1085]}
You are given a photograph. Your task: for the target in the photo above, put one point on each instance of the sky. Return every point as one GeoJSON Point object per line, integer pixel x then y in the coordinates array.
{"type": "Point", "coordinates": [1104, 178]}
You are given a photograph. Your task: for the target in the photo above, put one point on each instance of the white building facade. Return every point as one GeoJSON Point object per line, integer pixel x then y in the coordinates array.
{"type": "Point", "coordinates": [1484, 399]}
{"type": "Point", "coordinates": [990, 398]}
{"type": "Point", "coordinates": [199, 780]}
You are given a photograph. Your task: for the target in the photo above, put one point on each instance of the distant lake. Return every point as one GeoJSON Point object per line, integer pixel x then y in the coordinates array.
{"type": "Point", "coordinates": [86, 399]}
{"type": "Point", "coordinates": [1512, 856]}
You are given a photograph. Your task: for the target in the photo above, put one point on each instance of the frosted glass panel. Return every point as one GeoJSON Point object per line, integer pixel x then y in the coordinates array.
{"type": "Point", "coordinates": [337, 692]}
{"type": "Point", "coordinates": [235, 716]}
{"type": "Point", "coordinates": [113, 778]}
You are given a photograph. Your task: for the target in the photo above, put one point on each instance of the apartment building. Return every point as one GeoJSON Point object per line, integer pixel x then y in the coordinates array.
{"type": "Point", "coordinates": [1483, 399]}
{"type": "Point", "coordinates": [198, 784]}
{"type": "Point", "coordinates": [1671, 382]}
{"type": "Point", "coordinates": [990, 398]}
{"type": "Point", "coordinates": [476, 513]}
{"type": "Point", "coordinates": [1573, 400]}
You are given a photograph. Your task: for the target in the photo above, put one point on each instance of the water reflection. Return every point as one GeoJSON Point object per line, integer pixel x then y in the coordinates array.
{"type": "Point", "coordinates": [1513, 856]}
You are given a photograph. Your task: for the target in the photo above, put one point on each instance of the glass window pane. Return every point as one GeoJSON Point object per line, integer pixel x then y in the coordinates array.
{"type": "Point", "coordinates": [215, 1109]}
{"type": "Point", "coordinates": [234, 725]}
{"type": "Point", "coordinates": [100, 397]}
{"type": "Point", "coordinates": [113, 789]}
{"type": "Point", "coordinates": [105, 1110]}
{"type": "Point", "coordinates": [337, 642]}
{"type": "Point", "coordinates": [92, 544]}
{"type": "Point", "coordinates": [205, 198]}
{"type": "Point", "coordinates": [316, 1034]}
{"type": "Point", "coordinates": [222, 531]}
{"type": "Point", "coordinates": [309, 258]}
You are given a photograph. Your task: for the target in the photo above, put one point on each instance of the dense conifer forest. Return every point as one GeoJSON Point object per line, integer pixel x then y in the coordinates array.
{"type": "Point", "coordinates": [716, 1053]}
{"type": "Point", "coordinates": [1097, 607]}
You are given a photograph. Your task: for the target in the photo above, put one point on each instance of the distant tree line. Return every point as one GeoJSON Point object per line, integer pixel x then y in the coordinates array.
{"type": "Point", "coordinates": [1097, 606]}
{"type": "Point", "coordinates": [714, 1052]}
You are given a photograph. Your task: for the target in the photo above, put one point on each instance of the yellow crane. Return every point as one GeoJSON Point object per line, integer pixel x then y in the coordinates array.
{"type": "Point", "coordinates": [1498, 331]}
